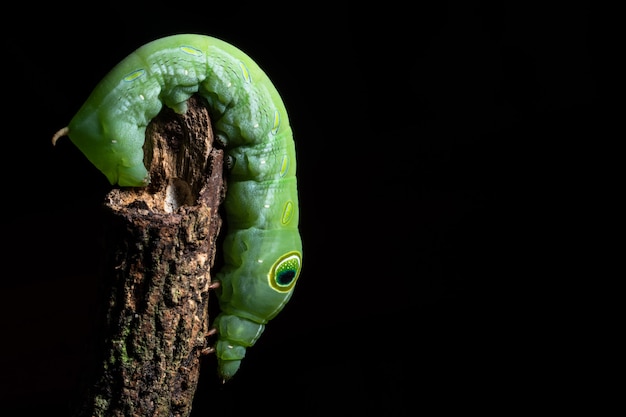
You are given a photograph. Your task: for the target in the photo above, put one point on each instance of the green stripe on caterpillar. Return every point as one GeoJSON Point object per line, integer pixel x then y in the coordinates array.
{"type": "Point", "coordinates": [262, 246]}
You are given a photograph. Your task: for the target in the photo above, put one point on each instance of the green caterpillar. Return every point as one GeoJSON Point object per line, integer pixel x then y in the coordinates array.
{"type": "Point", "coordinates": [262, 247]}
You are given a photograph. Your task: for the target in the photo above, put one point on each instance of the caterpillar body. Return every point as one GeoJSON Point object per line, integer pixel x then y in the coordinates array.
{"type": "Point", "coordinates": [262, 246]}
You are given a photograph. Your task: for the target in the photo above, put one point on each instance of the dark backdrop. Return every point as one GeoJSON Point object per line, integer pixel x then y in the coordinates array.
{"type": "Point", "coordinates": [432, 141]}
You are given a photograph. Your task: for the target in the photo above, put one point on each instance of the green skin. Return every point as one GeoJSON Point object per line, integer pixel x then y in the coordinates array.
{"type": "Point", "coordinates": [262, 247]}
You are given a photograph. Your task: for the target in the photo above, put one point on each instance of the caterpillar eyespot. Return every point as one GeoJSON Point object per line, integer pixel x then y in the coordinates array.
{"type": "Point", "coordinates": [285, 272]}
{"type": "Point", "coordinates": [262, 246]}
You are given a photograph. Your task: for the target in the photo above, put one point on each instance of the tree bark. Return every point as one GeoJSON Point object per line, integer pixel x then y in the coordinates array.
{"type": "Point", "coordinates": [160, 245]}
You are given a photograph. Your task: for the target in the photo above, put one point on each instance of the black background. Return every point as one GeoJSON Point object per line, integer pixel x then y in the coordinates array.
{"type": "Point", "coordinates": [434, 143]}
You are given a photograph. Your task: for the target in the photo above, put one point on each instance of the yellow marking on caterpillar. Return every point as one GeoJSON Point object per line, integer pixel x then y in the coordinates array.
{"type": "Point", "coordinates": [134, 75]}
{"type": "Point", "coordinates": [288, 212]}
{"type": "Point", "coordinates": [191, 50]}
{"type": "Point", "coordinates": [276, 122]}
{"type": "Point", "coordinates": [245, 72]}
{"type": "Point", "coordinates": [284, 166]}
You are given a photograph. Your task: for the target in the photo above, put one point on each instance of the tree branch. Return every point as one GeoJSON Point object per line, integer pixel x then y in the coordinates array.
{"type": "Point", "coordinates": [160, 248]}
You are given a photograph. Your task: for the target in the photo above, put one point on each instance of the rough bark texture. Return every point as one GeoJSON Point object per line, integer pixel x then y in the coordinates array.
{"type": "Point", "coordinates": [161, 244]}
